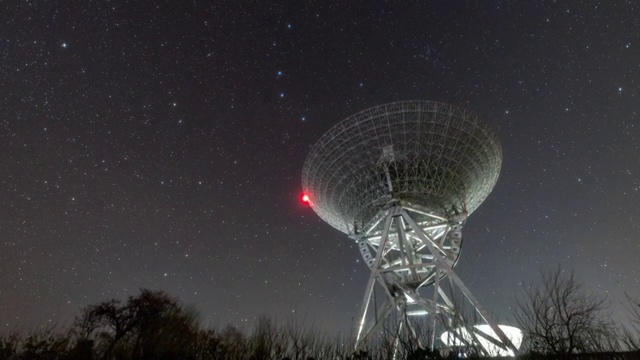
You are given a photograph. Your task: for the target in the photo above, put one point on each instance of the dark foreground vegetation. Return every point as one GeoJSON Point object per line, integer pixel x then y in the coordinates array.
{"type": "Point", "coordinates": [559, 317]}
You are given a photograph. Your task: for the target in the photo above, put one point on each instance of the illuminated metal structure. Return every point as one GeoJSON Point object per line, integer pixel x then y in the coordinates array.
{"type": "Point", "coordinates": [400, 179]}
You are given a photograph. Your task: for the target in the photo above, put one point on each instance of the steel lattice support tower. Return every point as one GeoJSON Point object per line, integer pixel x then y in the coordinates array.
{"type": "Point", "coordinates": [400, 179]}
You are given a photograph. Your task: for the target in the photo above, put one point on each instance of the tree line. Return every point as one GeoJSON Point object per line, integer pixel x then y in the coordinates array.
{"type": "Point", "coordinates": [558, 315]}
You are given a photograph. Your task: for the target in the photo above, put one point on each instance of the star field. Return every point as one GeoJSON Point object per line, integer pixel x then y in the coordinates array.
{"type": "Point", "coordinates": [159, 145]}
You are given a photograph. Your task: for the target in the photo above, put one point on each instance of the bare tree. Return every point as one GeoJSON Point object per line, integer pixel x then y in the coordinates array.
{"type": "Point", "coordinates": [46, 344]}
{"type": "Point", "coordinates": [559, 316]}
{"type": "Point", "coordinates": [302, 341]}
{"type": "Point", "coordinates": [9, 346]}
{"type": "Point", "coordinates": [267, 341]}
{"type": "Point", "coordinates": [234, 344]}
{"type": "Point", "coordinates": [150, 325]}
{"type": "Point", "coordinates": [631, 330]}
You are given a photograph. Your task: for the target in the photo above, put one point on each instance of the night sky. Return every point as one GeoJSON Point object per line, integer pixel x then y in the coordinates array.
{"type": "Point", "coordinates": [159, 145]}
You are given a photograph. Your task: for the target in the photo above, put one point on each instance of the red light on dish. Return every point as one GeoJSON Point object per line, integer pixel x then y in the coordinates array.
{"type": "Point", "coordinates": [305, 199]}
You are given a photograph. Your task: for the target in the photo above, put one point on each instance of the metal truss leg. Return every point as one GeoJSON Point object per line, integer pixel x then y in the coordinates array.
{"type": "Point", "coordinates": [399, 278]}
{"type": "Point", "coordinates": [443, 265]}
{"type": "Point", "coordinates": [369, 292]}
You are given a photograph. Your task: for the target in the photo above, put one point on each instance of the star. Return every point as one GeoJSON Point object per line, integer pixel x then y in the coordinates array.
{"type": "Point", "coordinates": [160, 141]}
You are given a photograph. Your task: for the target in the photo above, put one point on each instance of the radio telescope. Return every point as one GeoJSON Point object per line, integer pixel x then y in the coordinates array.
{"type": "Point", "coordinates": [401, 179]}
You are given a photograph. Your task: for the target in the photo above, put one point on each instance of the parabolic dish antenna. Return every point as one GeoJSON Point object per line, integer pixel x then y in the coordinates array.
{"type": "Point", "coordinates": [401, 179]}
{"type": "Point", "coordinates": [437, 156]}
